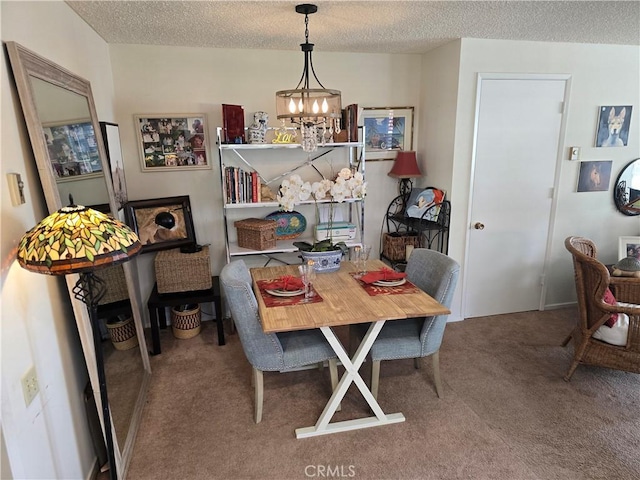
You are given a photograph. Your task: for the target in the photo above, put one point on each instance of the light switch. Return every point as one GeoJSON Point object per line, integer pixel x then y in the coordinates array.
{"type": "Point", "coordinates": [574, 153]}
{"type": "Point", "coordinates": [16, 189]}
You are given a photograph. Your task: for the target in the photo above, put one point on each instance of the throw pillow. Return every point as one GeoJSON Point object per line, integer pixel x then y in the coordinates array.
{"type": "Point", "coordinates": [610, 300]}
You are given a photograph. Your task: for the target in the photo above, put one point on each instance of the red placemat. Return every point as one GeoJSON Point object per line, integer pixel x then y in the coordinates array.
{"type": "Point", "coordinates": [373, 290]}
{"type": "Point", "coordinates": [273, 301]}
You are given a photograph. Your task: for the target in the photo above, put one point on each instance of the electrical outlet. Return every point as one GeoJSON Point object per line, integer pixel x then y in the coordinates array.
{"type": "Point", "coordinates": [30, 385]}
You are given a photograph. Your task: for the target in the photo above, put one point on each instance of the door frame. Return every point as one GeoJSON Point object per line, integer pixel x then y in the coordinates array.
{"type": "Point", "coordinates": [559, 157]}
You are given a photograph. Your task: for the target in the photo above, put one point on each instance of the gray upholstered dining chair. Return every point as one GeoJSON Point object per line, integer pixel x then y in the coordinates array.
{"type": "Point", "coordinates": [272, 352]}
{"type": "Point", "coordinates": [437, 275]}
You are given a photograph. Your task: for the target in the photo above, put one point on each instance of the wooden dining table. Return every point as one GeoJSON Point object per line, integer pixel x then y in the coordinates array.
{"type": "Point", "coordinates": [343, 301]}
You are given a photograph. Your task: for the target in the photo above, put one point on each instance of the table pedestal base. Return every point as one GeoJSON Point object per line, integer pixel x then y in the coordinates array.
{"type": "Point", "coordinates": [351, 375]}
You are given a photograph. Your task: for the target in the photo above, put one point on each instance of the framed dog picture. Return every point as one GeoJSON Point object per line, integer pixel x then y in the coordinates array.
{"type": "Point", "coordinates": [594, 176]}
{"type": "Point", "coordinates": [613, 126]}
{"type": "Point", "coordinates": [388, 130]}
{"type": "Point", "coordinates": [161, 223]}
{"type": "Point", "coordinates": [173, 141]}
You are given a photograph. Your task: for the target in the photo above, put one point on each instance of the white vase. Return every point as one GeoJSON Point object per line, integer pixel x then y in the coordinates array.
{"type": "Point", "coordinates": [324, 262]}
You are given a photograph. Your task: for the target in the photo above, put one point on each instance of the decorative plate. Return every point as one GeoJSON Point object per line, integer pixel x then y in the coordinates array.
{"type": "Point", "coordinates": [390, 283]}
{"type": "Point", "coordinates": [289, 224]}
{"type": "Point", "coordinates": [285, 293]}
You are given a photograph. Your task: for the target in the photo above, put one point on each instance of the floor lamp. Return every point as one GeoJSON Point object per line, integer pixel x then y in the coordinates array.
{"type": "Point", "coordinates": [77, 239]}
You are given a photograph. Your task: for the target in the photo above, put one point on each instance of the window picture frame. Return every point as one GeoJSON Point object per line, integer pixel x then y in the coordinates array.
{"type": "Point", "coordinates": [173, 141]}
{"type": "Point", "coordinates": [388, 130]}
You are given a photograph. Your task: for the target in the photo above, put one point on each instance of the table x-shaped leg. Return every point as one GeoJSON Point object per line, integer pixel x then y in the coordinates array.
{"type": "Point", "coordinates": [351, 375]}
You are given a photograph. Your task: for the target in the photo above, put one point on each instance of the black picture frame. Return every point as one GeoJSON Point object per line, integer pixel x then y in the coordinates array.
{"type": "Point", "coordinates": [142, 217]}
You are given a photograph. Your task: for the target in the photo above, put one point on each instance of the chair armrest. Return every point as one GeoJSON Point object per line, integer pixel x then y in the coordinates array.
{"type": "Point", "coordinates": [625, 289]}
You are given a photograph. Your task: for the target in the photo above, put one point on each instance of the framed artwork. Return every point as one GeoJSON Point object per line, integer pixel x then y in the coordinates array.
{"type": "Point", "coordinates": [173, 141]}
{"type": "Point", "coordinates": [233, 123]}
{"type": "Point", "coordinates": [425, 203]}
{"type": "Point", "coordinates": [594, 176]}
{"type": "Point", "coordinates": [628, 247]}
{"type": "Point", "coordinates": [73, 150]}
{"type": "Point", "coordinates": [161, 223]}
{"type": "Point", "coordinates": [387, 131]}
{"type": "Point", "coordinates": [111, 138]}
{"type": "Point", "coordinates": [613, 126]}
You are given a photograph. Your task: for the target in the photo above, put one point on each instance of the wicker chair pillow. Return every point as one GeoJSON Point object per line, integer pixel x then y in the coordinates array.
{"type": "Point", "coordinates": [611, 300]}
{"type": "Point", "coordinates": [616, 335]}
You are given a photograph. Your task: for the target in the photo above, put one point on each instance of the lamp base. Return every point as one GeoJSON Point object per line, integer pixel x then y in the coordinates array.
{"type": "Point", "coordinates": [404, 186]}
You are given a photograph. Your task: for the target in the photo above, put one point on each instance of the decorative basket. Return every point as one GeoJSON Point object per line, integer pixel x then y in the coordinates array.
{"type": "Point", "coordinates": [123, 334]}
{"type": "Point", "coordinates": [256, 233]}
{"type": "Point", "coordinates": [394, 245]}
{"type": "Point", "coordinates": [116, 284]}
{"type": "Point", "coordinates": [186, 323]}
{"type": "Point", "coordinates": [183, 272]}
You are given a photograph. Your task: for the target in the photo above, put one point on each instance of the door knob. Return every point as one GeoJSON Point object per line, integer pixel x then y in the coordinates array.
{"type": "Point", "coordinates": [478, 226]}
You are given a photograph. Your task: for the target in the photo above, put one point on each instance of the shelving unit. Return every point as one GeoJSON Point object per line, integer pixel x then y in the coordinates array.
{"type": "Point", "coordinates": [274, 163]}
{"type": "Point", "coordinates": [417, 232]}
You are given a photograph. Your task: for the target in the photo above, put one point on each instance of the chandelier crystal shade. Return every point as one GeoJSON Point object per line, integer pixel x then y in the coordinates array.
{"type": "Point", "coordinates": [310, 107]}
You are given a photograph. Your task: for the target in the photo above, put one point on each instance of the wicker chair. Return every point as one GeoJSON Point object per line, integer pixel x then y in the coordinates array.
{"type": "Point", "coordinates": [592, 278]}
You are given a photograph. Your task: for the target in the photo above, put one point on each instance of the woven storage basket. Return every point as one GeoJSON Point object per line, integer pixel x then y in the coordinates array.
{"type": "Point", "coordinates": [123, 334]}
{"type": "Point", "coordinates": [256, 233]}
{"type": "Point", "coordinates": [116, 284]}
{"type": "Point", "coordinates": [186, 324]}
{"type": "Point", "coordinates": [394, 246]}
{"type": "Point", "coordinates": [183, 272]}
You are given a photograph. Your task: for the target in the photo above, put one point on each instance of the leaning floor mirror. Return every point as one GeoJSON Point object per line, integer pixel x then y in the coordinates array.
{"type": "Point", "coordinates": [69, 151]}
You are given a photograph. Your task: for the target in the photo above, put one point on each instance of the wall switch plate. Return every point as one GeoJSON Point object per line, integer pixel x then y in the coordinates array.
{"type": "Point", "coordinates": [30, 386]}
{"type": "Point", "coordinates": [16, 189]}
{"type": "Point", "coordinates": [574, 153]}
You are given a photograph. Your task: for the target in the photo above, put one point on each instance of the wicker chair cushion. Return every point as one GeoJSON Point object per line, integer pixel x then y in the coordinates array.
{"type": "Point", "coordinates": [616, 335]}
{"type": "Point", "coordinates": [611, 300]}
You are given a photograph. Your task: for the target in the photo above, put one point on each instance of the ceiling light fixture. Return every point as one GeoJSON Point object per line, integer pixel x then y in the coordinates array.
{"type": "Point", "coordinates": [306, 106]}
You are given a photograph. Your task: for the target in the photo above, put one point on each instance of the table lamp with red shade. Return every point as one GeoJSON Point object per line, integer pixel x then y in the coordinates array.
{"type": "Point", "coordinates": [405, 168]}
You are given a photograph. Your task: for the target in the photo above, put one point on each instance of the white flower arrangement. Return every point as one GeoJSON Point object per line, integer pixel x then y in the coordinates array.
{"type": "Point", "coordinates": [347, 185]}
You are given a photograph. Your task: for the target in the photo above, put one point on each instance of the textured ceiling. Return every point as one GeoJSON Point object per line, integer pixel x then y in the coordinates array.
{"type": "Point", "coordinates": [365, 26]}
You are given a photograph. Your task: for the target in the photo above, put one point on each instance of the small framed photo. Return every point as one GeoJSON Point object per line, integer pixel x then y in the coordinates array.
{"type": "Point", "coordinates": [594, 176]}
{"type": "Point", "coordinates": [161, 223]}
{"type": "Point", "coordinates": [613, 126]}
{"type": "Point", "coordinates": [387, 131]}
{"type": "Point", "coordinates": [628, 247]}
{"type": "Point", "coordinates": [175, 141]}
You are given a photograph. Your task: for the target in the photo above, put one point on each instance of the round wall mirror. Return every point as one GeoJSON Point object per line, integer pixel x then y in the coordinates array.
{"type": "Point", "coordinates": [626, 193]}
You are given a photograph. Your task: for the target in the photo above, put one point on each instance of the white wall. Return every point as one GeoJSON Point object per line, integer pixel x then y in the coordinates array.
{"type": "Point", "coordinates": [601, 75]}
{"type": "Point", "coordinates": [154, 80]}
{"type": "Point", "coordinates": [50, 437]}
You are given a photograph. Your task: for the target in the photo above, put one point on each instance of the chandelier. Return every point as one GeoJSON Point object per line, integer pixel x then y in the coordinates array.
{"type": "Point", "coordinates": [317, 111]}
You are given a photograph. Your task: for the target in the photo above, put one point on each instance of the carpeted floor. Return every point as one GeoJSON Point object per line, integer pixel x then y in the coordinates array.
{"type": "Point", "coordinates": [506, 413]}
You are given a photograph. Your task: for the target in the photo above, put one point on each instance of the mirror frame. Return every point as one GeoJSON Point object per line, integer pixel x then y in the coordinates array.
{"type": "Point", "coordinates": [619, 192]}
{"type": "Point", "coordinates": [26, 64]}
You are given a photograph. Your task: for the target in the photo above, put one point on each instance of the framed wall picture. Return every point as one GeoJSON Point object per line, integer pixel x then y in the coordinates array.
{"type": "Point", "coordinates": [73, 150]}
{"type": "Point", "coordinates": [594, 176]}
{"type": "Point", "coordinates": [628, 247]}
{"type": "Point", "coordinates": [111, 138]}
{"type": "Point", "coordinates": [161, 223]}
{"type": "Point", "coordinates": [387, 131]}
{"type": "Point", "coordinates": [176, 141]}
{"type": "Point", "coordinates": [613, 126]}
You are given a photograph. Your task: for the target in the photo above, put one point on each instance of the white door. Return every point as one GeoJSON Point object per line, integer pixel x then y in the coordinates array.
{"type": "Point", "coordinates": [518, 126]}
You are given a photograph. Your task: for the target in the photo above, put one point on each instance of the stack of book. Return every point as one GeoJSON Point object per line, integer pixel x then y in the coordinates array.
{"type": "Point", "coordinates": [242, 186]}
